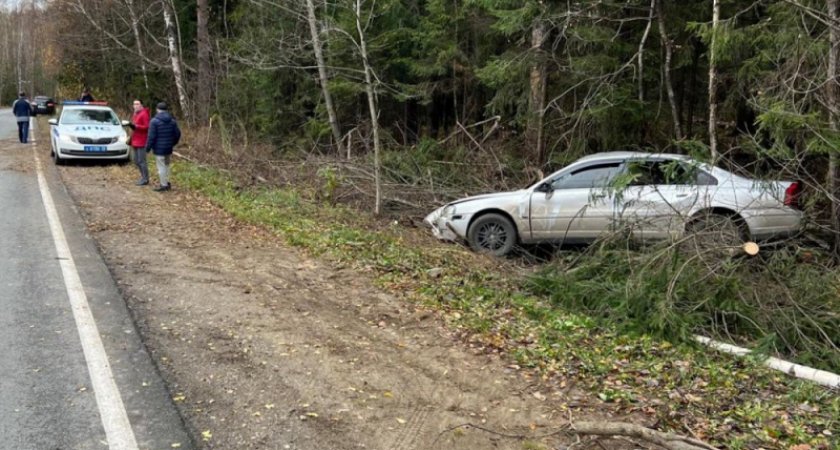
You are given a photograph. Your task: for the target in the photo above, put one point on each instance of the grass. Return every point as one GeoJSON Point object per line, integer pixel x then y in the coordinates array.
{"type": "Point", "coordinates": [675, 294]}
{"type": "Point", "coordinates": [731, 402]}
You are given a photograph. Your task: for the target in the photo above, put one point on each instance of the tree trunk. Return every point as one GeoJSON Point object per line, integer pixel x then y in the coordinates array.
{"type": "Point", "coordinates": [536, 101]}
{"type": "Point", "coordinates": [175, 58]}
{"type": "Point", "coordinates": [833, 97]}
{"type": "Point", "coordinates": [713, 81]}
{"type": "Point", "coordinates": [641, 52]}
{"type": "Point", "coordinates": [20, 58]}
{"type": "Point", "coordinates": [374, 114]}
{"type": "Point", "coordinates": [322, 76]}
{"type": "Point", "coordinates": [205, 71]}
{"type": "Point", "coordinates": [4, 55]}
{"type": "Point", "coordinates": [135, 29]}
{"type": "Point", "coordinates": [669, 52]}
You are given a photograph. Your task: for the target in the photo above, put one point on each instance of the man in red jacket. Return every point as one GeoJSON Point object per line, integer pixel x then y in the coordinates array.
{"type": "Point", "coordinates": [140, 125]}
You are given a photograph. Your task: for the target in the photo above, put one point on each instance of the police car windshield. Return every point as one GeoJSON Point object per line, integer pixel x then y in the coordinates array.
{"type": "Point", "coordinates": [89, 117]}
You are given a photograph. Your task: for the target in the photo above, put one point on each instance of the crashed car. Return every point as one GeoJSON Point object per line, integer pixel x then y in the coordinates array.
{"type": "Point", "coordinates": [652, 196]}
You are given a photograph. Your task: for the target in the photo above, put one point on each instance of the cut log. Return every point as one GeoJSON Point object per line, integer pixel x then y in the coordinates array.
{"type": "Point", "coordinates": [750, 248]}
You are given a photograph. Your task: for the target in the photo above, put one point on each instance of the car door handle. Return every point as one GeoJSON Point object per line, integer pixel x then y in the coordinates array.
{"type": "Point", "coordinates": [682, 195]}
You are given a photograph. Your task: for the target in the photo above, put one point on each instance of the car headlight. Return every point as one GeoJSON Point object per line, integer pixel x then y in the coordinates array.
{"type": "Point", "coordinates": [66, 138]}
{"type": "Point", "coordinates": [448, 212]}
{"type": "Point", "coordinates": [123, 139]}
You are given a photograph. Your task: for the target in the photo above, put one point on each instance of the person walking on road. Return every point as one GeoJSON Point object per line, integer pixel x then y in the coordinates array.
{"type": "Point", "coordinates": [23, 111]}
{"type": "Point", "coordinates": [164, 135]}
{"type": "Point", "coordinates": [140, 132]}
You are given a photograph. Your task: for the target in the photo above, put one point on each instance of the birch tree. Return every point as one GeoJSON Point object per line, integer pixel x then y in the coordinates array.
{"type": "Point", "coordinates": [713, 81]}
{"type": "Point", "coordinates": [323, 79]}
{"type": "Point", "coordinates": [641, 51]}
{"type": "Point", "coordinates": [175, 58]}
{"type": "Point", "coordinates": [371, 101]}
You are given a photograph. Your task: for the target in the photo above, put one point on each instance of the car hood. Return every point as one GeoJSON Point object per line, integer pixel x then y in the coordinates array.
{"type": "Point", "coordinates": [92, 131]}
{"type": "Point", "coordinates": [490, 197]}
{"type": "Point", "coordinates": [508, 200]}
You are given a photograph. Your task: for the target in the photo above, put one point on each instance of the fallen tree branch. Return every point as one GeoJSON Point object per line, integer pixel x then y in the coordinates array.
{"type": "Point", "coordinates": [669, 441]}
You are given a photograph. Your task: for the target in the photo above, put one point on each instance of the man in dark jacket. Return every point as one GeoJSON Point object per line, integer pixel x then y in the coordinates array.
{"type": "Point", "coordinates": [22, 110]}
{"type": "Point", "coordinates": [164, 134]}
{"type": "Point", "coordinates": [86, 97]}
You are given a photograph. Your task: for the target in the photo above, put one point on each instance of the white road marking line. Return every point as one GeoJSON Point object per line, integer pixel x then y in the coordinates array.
{"type": "Point", "coordinates": [111, 409]}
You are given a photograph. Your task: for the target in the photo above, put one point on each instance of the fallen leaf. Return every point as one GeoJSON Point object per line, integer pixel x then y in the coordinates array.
{"type": "Point", "coordinates": [206, 435]}
{"type": "Point", "coordinates": [401, 421]}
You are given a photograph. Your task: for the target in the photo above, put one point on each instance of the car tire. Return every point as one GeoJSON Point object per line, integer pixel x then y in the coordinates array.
{"type": "Point", "coordinates": [492, 233]}
{"type": "Point", "coordinates": [59, 161]}
{"type": "Point", "coordinates": [715, 234]}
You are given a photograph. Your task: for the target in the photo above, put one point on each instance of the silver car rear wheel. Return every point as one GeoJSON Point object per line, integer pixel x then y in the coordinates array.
{"type": "Point", "coordinates": [492, 233]}
{"type": "Point", "coordinates": [716, 235]}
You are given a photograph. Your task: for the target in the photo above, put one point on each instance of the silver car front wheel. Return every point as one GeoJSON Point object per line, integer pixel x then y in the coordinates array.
{"type": "Point", "coordinates": [492, 233]}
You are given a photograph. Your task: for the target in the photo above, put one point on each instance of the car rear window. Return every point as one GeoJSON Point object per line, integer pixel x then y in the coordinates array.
{"type": "Point", "coordinates": [89, 117]}
{"type": "Point", "coordinates": [670, 172]}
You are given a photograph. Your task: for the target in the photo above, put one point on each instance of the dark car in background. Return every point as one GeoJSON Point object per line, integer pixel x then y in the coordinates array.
{"type": "Point", "coordinates": [43, 105]}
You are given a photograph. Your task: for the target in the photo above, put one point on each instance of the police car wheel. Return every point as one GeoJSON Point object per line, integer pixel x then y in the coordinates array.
{"type": "Point", "coordinates": [58, 160]}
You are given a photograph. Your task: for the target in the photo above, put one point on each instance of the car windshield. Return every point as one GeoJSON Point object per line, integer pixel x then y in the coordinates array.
{"type": "Point", "coordinates": [89, 117]}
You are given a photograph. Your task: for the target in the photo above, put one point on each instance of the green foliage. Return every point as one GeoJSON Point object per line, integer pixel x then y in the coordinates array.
{"type": "Point", "coordinates": [331, 182]}
{"type": "Point", "coordinates": [673, 294]}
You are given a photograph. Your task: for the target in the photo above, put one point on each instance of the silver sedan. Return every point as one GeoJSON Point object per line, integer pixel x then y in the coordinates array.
{"type": "Point", "coordinates": [652, 196]}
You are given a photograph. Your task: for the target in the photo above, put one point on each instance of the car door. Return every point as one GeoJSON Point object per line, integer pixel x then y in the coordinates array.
{"type": "Point", "coordinates": [576, 206]}
{"type": "Point", "coordinates": [660, 198]}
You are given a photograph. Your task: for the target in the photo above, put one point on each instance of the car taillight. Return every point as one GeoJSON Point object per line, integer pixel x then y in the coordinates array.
{"type": "Point", "coordinates": [792, 195]}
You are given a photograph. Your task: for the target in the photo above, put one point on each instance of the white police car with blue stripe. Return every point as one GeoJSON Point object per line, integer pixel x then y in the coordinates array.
{"type": "Point", "coordinates": [88, 130]}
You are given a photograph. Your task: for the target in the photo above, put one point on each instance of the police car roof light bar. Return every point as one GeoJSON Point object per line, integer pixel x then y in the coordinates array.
{"type": "Point", "coordinates": [75, 102]}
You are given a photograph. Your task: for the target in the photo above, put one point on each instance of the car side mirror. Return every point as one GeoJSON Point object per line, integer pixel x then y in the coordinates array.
{"type": "Point", "coordinates": [53, 121]}
{"type": "Point", "coordinates": [124, 123]}
{"type": "Point", "coordinates": [545, 187]}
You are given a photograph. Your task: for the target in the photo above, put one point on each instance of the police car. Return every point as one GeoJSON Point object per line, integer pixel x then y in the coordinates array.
{"type": "Point", "coordinates": [88, 130]}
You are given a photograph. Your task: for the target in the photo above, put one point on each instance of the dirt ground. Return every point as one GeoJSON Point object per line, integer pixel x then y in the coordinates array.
{"type": "Point", "coordinates": [264, 347]}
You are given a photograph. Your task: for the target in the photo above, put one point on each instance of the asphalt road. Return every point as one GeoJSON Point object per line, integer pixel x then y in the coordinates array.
{"type": "Point", "coordinates": [48, 369]}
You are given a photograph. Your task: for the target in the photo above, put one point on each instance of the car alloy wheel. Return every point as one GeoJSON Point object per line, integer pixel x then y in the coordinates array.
{"type": "Point", "coordinates": [492, 233]}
